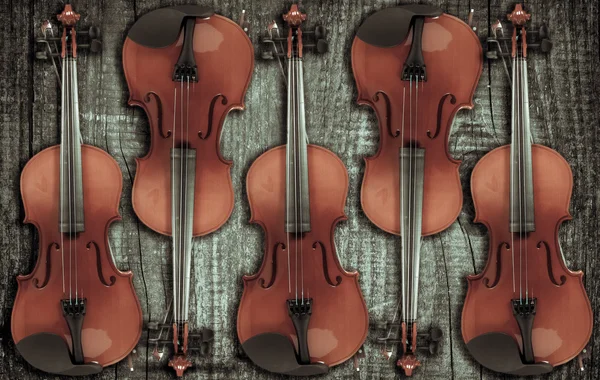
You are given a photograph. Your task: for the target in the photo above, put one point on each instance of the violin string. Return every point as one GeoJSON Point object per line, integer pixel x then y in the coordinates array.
{"type": "Point", "coordinates": [416, 231]}
{"type": "Point", "coordinates": [75, 140]}
{"type": "Point", "coordinates": [410, 218]}
{"type": "Point", "coordinates": [402, 215]}
{"type": "Point", "coordinates": [173, 232]}
{"type": "Point", "coordinates": [62, 149]}
{"type": "Point", "coordinates": [301, 142]}
{"type": "Point", "coordinates": [525, 157]}
{"type": "Point", "coordinates": [519, 121]}
{"type": "Point", "coordinates": [512, 175]}
{"type": "Point", "coordinates": [295, 160]}
{"type": "Point", "coordinates": [182, 158]}
{"type": "Point", "coordinates": [185, 231]}
{"type": "Point", "coordinates": [288, 173]}
{"type": "Point", "coordinates": [69, 199]}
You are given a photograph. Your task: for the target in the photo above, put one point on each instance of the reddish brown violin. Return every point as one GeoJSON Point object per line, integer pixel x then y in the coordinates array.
{"type": "Point", "coordinates": [302, 312]}
{"type": "Point", "coordinates": [76, 312]}
{"type": "Point", "coordinates": [187, 68]}
{"type": "Point", "coordinates": [526, 312]}
{"type": "Point", "coordinates": [416, 67]}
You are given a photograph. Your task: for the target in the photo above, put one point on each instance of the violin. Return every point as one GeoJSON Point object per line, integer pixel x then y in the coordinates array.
{"type": "Point", "coordinates": [416, 67]}
{"type": "Point", "coordinates": [526, 312]}
{"type": "Point", "coordinates": [75, 313]}
{"type": "Point", "coordinates": [187, 68]}
{"type": "Point", "coordinates": [301, 313]}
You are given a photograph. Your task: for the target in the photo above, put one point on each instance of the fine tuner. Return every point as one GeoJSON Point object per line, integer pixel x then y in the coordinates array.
{"type": "Point", "coordinates": [428, 342]}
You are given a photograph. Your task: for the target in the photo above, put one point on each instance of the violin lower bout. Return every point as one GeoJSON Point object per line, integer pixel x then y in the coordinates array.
{"type": "Point", "coordinates": [563, 320]}
{"type": "Point", "coordinates": [339, 322]}
{"type": "Point", "coordinates": [113, 320]}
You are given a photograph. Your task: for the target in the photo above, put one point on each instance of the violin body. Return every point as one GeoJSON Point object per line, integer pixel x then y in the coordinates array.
{"type": "Point", "coordinates": [339, 321]}
{"type": "Point", "coordinates": [563, 319]}
{"type": "Point", "coordinates": [113, 321]}
{"type": "Point", "coordinates": [225, 60]}
{"type": "Point", "coordinates": [453, 56]}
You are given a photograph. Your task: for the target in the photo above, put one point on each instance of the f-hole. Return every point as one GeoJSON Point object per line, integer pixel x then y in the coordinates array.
{"type": "Point", "coordinates": [112, 279]}
{"type": "Point", "coordinates": [439, 114]}
{"type": "Point", "coordinates": [486, 281]}
{"type": "Point", "coordinates": [35, 281]}
{"type": "Point", "coordinates": [388, 112]}
{"type": "Point", "coordinates": [148, 99]}
{"type": "Point", "coordinates": [262, 281]}
{"type": "Point", "coordinates": [211, 114]}
{"type": "Point", "coordinates": [338, 279]}
{"type": "Point", "coordinates": [563, 278]}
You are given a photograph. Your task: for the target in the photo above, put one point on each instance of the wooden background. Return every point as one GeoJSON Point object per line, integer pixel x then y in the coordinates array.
{"type": "Point", "coordinates": [565, 106]}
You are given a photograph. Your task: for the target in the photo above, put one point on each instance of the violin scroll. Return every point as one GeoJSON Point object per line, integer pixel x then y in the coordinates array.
{"type": "Point", "coordinates": [273, 42]}
{"type": "Point", "coordinates": [50, 39]}
{"type": "Point", "coordinates": [294, 17]}
{"type": "Point", "coordinates": [68, 17]}
{"type": "Point", "coordinates": [519, 16]}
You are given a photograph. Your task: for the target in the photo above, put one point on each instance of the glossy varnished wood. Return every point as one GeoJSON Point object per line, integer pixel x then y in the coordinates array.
{"type": "Point", "coordinates": [452, 54]}
{"type": "Point", "coordinates": [339, 321]}
{"type": "Point", "coordinates": [563, 322]}
{"type": "Point", "coordinates": [113, 321]}
{"type": "Point", "coordinates": [225, 60]}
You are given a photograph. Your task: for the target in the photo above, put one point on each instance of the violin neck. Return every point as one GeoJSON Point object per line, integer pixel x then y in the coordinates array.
{"type": "Point", "coordinates": [522, 219]}
{"type": "Point", "coordinates": [71, 188]}
{"type": "Point", "coordinates": [183, 181]}
{"type": "Point", "coordinates": [297, 218]}
{"type": "Point", "coordinates": [412, 167]}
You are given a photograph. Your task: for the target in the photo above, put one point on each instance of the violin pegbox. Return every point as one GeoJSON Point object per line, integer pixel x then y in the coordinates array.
{"type": "Point", "coordinates": [274, 43]}
{"type": "Point", "coordinates": [50, 39]}
{"type": "Point", "coordinates": [498, 45]}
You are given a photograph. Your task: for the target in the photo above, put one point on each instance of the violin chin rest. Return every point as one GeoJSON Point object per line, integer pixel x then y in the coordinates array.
{"type": "Point", "coordinates": [275, 353]}
{"type": "Point", "coordinates": [50, 353]}
{"type": "Point", "coordinates": [500, 352]}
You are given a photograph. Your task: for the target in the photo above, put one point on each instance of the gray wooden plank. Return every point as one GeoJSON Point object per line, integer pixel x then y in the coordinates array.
{"type": "Point", "coordinates": [564, 97]}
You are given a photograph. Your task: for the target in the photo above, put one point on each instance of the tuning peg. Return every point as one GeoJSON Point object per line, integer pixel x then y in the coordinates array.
{"type": "Point", "coordinates": [543, 32]}
{"type": "Point", "coordinates": [94, 32]}
{"type": "Point", "coordinates": [47, 28]}
{"type": "Point", "coordinates": [432, 348]}
{"type": "Point", "coordinates": [320, 32]}
{"type": "Point", "coordinates": [244, 24]}
{"type": "Point", "coordinates": [267, 55]}
{"type": "Point", "coordinates": [546, 45]}
{"type": "Point", "coordinates": [322, 46]}
{"type": "Point", "coordinates": [208, 335]}
{"type": "Point", "coordinates": [497, 29]}
{"type": "Point", "coordinates": [41, 55]}
{"type": "Point", "coordinates": [492, 54]}
{"type": "Point", "coordinates": [95, 46]}
{"type": "Point", "coordinates": [435, 334]}
{"type": "Point", "coordinates": [470, 21]}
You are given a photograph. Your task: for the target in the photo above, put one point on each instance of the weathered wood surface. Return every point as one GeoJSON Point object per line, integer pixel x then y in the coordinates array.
{"type": "Point", "coordinates": [565, 104]}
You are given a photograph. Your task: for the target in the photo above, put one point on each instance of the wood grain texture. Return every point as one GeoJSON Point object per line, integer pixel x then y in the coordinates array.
{"type": "Point", "coordinates": [565, 104]}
